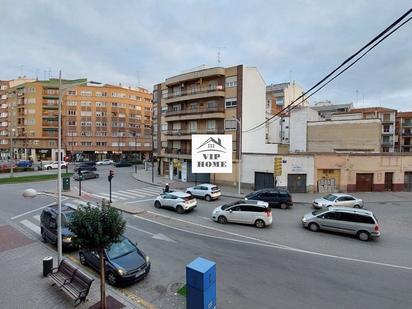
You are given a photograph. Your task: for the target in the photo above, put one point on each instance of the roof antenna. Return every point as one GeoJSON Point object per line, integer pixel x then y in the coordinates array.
{"type": "Point", "coordinates": [219, 54]}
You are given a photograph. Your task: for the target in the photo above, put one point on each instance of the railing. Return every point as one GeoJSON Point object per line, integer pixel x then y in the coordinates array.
{"type": "Point", "coordinates": [407, 124]}
{"type": "Point", "coordinates": [192, 92]}
{"type": "Point", "coordinates": [50, 123]}
{"type": "Point", "coordinates": [387, 143]}
{"type": "Point", "coordinates": [189, 132]}
{"type": "Point", "coordinates": [178, 151]}
{"type": "Point", "coordinates": [196, 110]}
{"type": "Point", "coordinates": [407, 134]}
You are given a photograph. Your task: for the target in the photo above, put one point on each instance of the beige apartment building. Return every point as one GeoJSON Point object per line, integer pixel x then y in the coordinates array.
{"type": "Point", "coordinates": [97, 121]}
{"type": "Point", "coordinates": [208, 101]}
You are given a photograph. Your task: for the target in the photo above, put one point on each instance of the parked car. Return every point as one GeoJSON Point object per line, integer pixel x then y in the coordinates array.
{"type": "Point", "coordinates": [86, 175]}
{"type": "Point", "coordinates": [55, 165]}
{"type": "Point", "coordinates": [125, 262]}
{"type": "Point", "coordinates": [85, 167]}
{"type": "Point", "coordinates": [257, 213]}
{"type": "Point", "coordinates": [48, 225]}
{"type": "Point", "coordinates": [105, 162]}
{"type": "Point", "coordinates": [359, 222]}
{"type": "Point", "coordinates": [180, 201]}
{"type": "Point", "coordinates": [274, 197]}
{"type": "Point", "coordinates": [338, 200]}
{"type": "Point", "coordinates": [123, 163]}
{"type": "Point", "coordinates": [24, 163]}
{"type": "Point", "coordinates": [207, 191]}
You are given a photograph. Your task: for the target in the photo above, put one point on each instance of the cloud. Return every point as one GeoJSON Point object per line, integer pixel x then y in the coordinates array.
{"type": "Point", "coordinates": [121, 42]}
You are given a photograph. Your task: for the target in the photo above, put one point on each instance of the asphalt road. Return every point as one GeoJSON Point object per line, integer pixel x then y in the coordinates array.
{"type": "Point", "coordinates": [255, 268]}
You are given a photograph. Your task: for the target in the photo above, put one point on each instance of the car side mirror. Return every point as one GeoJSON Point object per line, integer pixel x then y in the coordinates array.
{"type": "Point", "coordinates": [230, 210]}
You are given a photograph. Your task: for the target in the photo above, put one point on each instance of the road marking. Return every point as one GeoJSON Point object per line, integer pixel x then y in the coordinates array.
{"type": "Point", "coordinates": [139, 201]}
{"type": "Point", "coordinates": [127, 196]}
{"type": "Point", "coordinates": [107, 196]}
{"type": "Point", "coordinates": [132, 193]}
{"type": "Point", "coordinates": [37, 217]}
{"type": "Point", "coordinates": [206, 218]}
{"type": "Point", "coordinates": [103, 197]}
{"type": "Point", "coordinates": [32, 226]}
{"type": "Point", "coordinates": [28, 212]}
{"type": "Point", "coordinates": [268, 244]}
{"type": "Point", "coordinates": [158, 236]}
{"type": "Point", "coordinates": [146, 191]}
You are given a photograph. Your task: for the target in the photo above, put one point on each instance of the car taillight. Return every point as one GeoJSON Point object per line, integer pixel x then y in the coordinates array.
{"type": "Point", "coordinates": [376, 227]}
{"type": "Point", "coordinates": [268, 213]}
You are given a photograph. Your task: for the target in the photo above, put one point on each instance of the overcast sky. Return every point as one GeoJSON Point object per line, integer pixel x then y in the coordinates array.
{"type": "Point", "coordinates": [147, 41]}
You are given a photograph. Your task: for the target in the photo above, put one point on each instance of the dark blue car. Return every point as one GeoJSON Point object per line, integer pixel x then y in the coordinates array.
{"type": "Point", "coordinates": [24, 163]}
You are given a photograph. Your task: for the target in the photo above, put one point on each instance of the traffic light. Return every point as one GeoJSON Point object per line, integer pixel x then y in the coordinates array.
{"type": "Point", "coordinates": [277, 168]}
{"type": "Point", "coordinates": [111, 175]}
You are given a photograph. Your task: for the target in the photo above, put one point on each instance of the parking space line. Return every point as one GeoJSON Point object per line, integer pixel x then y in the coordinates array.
{"type": "Point", "coordinates": [32, 226]}
{"type": "Point", "coordinates": [28, 212]}
{"type": "Point", "coordinates": [37, 217]}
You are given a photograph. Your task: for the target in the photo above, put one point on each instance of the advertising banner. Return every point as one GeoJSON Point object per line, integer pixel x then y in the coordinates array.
{"type": "Point", "coordinates": [212, 153]}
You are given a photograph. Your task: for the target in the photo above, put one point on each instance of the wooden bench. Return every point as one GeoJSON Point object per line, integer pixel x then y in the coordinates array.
{"type": "Point", "coordinates": [72, 281]}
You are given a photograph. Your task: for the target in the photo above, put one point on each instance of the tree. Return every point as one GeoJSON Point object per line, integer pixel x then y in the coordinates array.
{"type": "Point", "coordinates": [96, 228]}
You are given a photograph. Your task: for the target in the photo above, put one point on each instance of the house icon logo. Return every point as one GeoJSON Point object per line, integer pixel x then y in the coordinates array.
{"type": "Point", "coordinates": [212, 153]}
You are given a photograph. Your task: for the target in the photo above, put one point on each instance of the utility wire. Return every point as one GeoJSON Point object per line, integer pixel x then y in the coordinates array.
{"type": "Point", "coordinates": [380, 37]}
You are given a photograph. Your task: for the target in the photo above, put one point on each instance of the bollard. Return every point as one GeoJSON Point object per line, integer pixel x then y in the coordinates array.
{"type": "Point", "coordinates": [47, 265]}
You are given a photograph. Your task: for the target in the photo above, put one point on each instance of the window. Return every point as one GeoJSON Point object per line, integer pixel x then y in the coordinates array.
{"type": "Point", "coordinates": [163, 127]}
{"type": "Point", "coordinates": [211, 104]}
{"type": "Point", "coordinates": [86, 133]}
{"type": "Point", "coordinates": [85, 103]}
{"type": "Point", "coordinates": [386, 128]}
{"type": "Point", "coordinates": [71, 123]}
{"type": "Point", "coordinates": [71, 103]}
{"type": "Point", "coordinates": [211, 125]}
{"type": "Point", "coordinates": [71, 92]}
{"type": "Point", "coordinates": [101, 133]}
{"type": "Point", "coordinates": [230, 124]}
{"type": "Point", "coordinates": [330, 216]}
{"type": "Point", "coordinates": [85, 113]}
{"type": "Point", "coordinates": [231, 102]}
{"type": "Point", "coordinates": [192, 126]}
{"type": "Point", "coordinates": [86, 143]}
{"type": "Point", "coordinates": [231, 81]}
{"type": "Point", "coordinates": [280, 101]}
{"type": "Point", "coordinates": [71, 112]}
{"type": "Point", "coordinates": [101, 143]}
{"type": "Point", "coordinates": [194, 106]}
{"type": "Point", "coordinates": [86, 93]}
{"type": "Point", "coordinates": [177, 108]}
{"type": "Point", "coordinates": [101, 94]}
{"type": "Point", "coordinates": [101, 104]}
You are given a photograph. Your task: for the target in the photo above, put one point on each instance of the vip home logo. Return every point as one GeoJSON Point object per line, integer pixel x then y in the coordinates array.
{"type": "Point", "coordinates": [212, 153]}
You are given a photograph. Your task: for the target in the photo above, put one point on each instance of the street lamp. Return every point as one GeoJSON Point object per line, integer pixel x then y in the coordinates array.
{"type": "Point", "coordinates": [239, 125]}
{"type": "Point", "coordinates": [31, 193]}
{"type": "Point", "coordinates": [12, 152]}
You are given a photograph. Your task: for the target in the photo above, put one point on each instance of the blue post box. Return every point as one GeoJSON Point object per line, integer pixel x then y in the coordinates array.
{"type": "Point", "coordinates": [201, 284]}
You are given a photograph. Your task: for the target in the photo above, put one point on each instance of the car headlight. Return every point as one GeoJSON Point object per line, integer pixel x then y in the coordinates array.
{"type": "Point", "coordinates": [67, 239]}
{"type": "Point", "coordinates": [304, 220]}
{"type": "Point", "coordinates": [147, 259]}
{"type": "Point", "coordinates": [122, 271]}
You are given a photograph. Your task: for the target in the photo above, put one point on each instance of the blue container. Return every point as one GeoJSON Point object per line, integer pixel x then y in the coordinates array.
{"type": "Point", "coordinates": [201, 284]}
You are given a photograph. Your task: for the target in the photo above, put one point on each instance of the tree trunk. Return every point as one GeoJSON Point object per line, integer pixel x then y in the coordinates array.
{"type": "Point", "coordinates": [102, 282]}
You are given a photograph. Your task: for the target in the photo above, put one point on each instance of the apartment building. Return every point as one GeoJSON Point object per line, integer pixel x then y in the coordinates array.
{"type": "Point", "coordinates": [279, 96]}
{"type": "Point", "coordinates": [209, 101]}
{"type": "Point", "coordinates": [326, 108]}
{"type": "Point", "coordinates": [403, 131]}
{"type": "Point", "coordinates": [387, 117]}
{"type": "Point", "coordinates": [97, 121]}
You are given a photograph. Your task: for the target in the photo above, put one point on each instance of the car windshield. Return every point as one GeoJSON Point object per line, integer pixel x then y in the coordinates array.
{"type": "Point", "coordinates": [330, 197]}
{"type": "Point", "coordinates": [119, 249]}
{"type": "Point", "coordinates": [319, 211]}
{"type": "Point", "coordinates": [66, 218]}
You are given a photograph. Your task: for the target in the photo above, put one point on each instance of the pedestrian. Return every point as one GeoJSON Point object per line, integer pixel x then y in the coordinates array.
{"type": "Point", "coordinates": [167, 188]}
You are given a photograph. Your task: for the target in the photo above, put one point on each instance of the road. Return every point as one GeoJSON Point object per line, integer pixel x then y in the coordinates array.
{"type": "Point", "coordinates": [283, 266]}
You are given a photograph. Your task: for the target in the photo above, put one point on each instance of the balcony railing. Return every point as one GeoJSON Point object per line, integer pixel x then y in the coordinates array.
{"type": "Point", "coordinates": [387, 143]}
{"type": "Point", "coordinates": [193, 92]}
{"type": "Point", "coordinates": [407, 134]}
{"type": "Point", "coordinates": [199, 131]}
{"type": "Point", "coordinates": [178, 151]}
{"type": "Point", "coordinates": [50, 124]}
{"type": "Point", "coordinates": [219, 108]}
{"type": "Point", "coordinates": [407, 124]}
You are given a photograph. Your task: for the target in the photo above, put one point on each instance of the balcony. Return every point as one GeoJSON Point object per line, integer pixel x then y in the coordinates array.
{"type": "Point", "coordinates": [196, 114]}
{"type": "Point", "coordinates": [407, 134]}
{"type": "Point", "coordinates": [50, 106]}
{"type": "Point", "coordinates": [177, 153]}
{"type": "Point", "coordinates": [387, 120]}
{"type": "Point", "coordinates": [195, 76]}
{"type": "Point", "coordinates": [387, 143]}
{"type": "Point", "coordinates": [50, 124]}
{"type": "Point", "coordinates": [187, 134]}
{"type": "Point", "coordinates": [407, 124]}
{"type": "Point", "coordinates": [219, 91]}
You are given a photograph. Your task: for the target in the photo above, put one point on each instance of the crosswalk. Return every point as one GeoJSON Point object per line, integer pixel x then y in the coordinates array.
{"type": "Point", "coordinates": [124, 195]}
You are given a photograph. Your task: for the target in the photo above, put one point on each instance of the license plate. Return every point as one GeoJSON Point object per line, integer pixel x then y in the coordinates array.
{"type": "Point", "coordinates": [139, 273]}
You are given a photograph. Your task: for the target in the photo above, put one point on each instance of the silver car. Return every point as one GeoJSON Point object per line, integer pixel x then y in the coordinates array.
{"type": "Point", "coordinates": [177, 200]}
{"type": "Point", "coordinates": [257, 213]}
{"type": "Point", "coordinates": [337, 200]}
{"type": "Point", "coordinates": [207, 191]}
{"type": "Point", "coordinates": [359, 222]}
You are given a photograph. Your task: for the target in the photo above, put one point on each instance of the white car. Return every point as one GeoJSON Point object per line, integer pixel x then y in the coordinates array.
{"type": "Point", "coordinates": [55, 165]}
{"type": "Point", "coordinates": [257, 213]}
{"type": "Point", "coordinates": [207, 191]}
{"type": "Point", "coordinates": [337, 200]}
{"type": "Point", "coordinates": [105, 162]}
{"type": "Point", "coordinates": [180, 201]}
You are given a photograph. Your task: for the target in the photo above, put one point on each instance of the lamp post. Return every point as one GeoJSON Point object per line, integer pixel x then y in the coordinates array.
{"type": "Point", "coordinates": [239, 125]}
{"type": "Point", "coordinates": [12, 152]}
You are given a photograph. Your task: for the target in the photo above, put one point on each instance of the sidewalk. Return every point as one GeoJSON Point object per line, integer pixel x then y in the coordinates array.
{"type": "Point", "coordinates": [298, 198]}
{"type": "Point", "coordinates": [23, 284]}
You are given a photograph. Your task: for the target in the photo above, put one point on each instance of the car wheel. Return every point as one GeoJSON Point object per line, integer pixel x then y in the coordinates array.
{"type": "Point", "coordinates": [111, 278]}
{"type": "Point", "coordinates": [222, 220]}
{"type": "Point", "coordinates": [314, 227]}
{"type": "Point", "coordinates": [82, 259]}
{"type": "Point", "coordinates": [283, 206]}
{"type": "Point", "coordinates": [356, 206]}
{"type": "Point", "coordinates": [43, 236]}
{"type": "Point", "coordinates": [260, 223]}
{"type": "Point", "coordinates": [157, 204]}
{"type": "Point", "coordinates": [208, 198]}
{"type": "Point", "coordinates": [363, 235]}
{"type": "Point", "coordinates": [180, 209]}
{"type": "Point", "coordinates": [48, 168]}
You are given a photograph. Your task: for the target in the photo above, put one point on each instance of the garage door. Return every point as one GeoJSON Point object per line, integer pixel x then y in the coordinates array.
{"type": "Point", "coordinates": [263, 180]}
{"type": "Point", "coordinates": [364, 182]}
{"type": "Point", "coordinates": [297, 183]}
{"type": "Point", "coordinates": [408, 181]}
{"type": "Point", "coordinates": [196, 177]}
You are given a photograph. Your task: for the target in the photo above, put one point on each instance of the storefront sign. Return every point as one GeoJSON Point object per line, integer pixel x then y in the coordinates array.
{"type": "Point", "coordinates": [212, 153]}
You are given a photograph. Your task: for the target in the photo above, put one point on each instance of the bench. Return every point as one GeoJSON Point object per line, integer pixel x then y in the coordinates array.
{"type": "Point", "coordinates": [72, 281]}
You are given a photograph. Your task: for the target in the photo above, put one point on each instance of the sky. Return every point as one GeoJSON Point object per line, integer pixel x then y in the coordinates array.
{"type": "Point", "coordinates": [141, 43]}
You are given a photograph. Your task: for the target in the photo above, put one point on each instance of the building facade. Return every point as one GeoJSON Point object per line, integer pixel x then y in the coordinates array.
{"type": "Point", "coordinates": [403, 142]}
{"type": "Point", "coordinates": [279, 96]}
{"type": "Point", "coordinates": [97, 121]}
{"type": "Point", "coordinates": [209, 101]}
